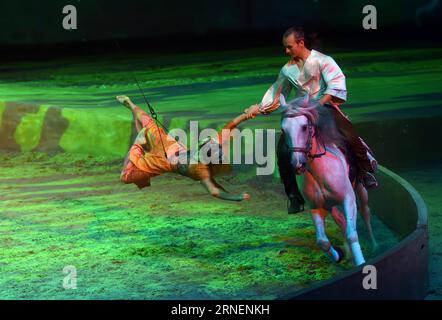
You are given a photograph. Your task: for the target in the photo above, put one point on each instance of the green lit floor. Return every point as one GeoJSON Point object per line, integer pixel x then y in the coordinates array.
{"type": "Point", "coordinates": [170, 240]}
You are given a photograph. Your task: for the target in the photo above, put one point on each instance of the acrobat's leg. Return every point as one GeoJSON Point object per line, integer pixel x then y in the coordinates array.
{"type": "Point", "coordinates": [130, 173]}
{"type": "Point", "coordinates": [217, 184]}
{"type": "Point", "coordinates": [149, 133]}
{"type": "Point", "coordinates": [141, 118]}
{"type": "Point", "coordinates": [126, 164]}
{"type": "Point", "coordinates": [365, 212]}
{"type": "Point", "coordinates": [318, 216]}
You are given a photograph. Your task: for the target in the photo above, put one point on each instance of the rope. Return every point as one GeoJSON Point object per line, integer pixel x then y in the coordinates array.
{"type": "Point", "coordinates": [151, 109]}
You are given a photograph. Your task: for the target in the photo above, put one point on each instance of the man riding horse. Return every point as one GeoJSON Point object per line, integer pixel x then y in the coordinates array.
{"type": "Point", "coordinates": [317, 75]}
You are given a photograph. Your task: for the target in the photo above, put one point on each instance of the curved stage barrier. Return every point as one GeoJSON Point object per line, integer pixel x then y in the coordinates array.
{"type": "Point", "coordinates": [402, 271]}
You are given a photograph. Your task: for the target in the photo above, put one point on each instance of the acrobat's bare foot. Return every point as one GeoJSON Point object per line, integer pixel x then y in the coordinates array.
{"type": "Point", "coordinates": [124, 100]}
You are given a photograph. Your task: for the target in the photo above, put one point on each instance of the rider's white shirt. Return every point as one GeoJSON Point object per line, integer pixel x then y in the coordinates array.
{"type": "Point", "coordinates": [320, 75]}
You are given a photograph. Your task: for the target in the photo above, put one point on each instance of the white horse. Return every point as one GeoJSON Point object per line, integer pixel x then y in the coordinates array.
{"type": "Point", "coordinates": [316, 146]}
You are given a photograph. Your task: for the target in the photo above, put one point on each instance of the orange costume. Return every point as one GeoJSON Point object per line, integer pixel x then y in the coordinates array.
{"type": "Point", "coordinates": [143, 165]}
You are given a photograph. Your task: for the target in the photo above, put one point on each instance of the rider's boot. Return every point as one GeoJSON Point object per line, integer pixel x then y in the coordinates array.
{"type": "Point", "coordinates": [295, 204]}
{"type": "Point", "coordinates": [368, 180]}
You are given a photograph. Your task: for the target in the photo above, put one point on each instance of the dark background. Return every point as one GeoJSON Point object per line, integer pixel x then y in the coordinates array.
{"type": "Point", "coordinates": [35, 27]}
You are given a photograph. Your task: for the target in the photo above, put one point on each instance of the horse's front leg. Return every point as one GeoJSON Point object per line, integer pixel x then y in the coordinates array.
{"type": "Point", "coordinates": [365, 212]}
{"type": "Point", "coordinates": [335, 254]}
{"type": "Point", "coordinates": [351, 232]}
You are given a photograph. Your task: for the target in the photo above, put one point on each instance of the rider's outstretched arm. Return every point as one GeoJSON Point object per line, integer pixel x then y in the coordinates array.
{"type": "Point", "coordinates": [266, 108]}
{"type": "Point", "coordinates": [216, 192]}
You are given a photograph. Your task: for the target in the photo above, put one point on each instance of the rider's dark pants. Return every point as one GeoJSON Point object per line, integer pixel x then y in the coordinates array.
{"type": "Point", "coordinates": [286, 170]}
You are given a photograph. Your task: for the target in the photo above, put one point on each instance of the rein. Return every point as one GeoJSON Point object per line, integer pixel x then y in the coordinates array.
{"type": "Point", "coordinates": [151, 109]}
{"type": "Point", "coordinates": [308, 146]}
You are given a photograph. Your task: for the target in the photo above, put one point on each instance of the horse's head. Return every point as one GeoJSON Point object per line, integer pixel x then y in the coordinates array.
{"type": "Point", "coordinates": [298, 128]}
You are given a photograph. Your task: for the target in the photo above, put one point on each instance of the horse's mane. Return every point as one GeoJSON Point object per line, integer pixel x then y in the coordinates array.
{"type": "Point", "coordinates": [321, 117]}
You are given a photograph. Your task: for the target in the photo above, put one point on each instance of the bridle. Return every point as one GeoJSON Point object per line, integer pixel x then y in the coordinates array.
{"type": "Point", "coordinates": [309, 144]}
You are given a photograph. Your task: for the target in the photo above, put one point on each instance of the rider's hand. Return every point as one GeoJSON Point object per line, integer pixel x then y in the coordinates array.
{"type": "Point", "coordinates": [252, 111]}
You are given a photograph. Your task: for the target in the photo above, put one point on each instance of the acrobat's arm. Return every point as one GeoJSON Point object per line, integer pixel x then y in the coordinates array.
{"type": "Point", "coordinates": [235, 122]}
{"type": "Point", "coordinates": [218, 185]}
{"type": "Point", "coordinates": [216, 192]}
{"type": "Point", "coordinates": [265, 108]}
{"type": "Point", "coordinates": [225, 134]}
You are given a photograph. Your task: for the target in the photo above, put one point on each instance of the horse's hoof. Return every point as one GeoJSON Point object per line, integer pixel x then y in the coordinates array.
{"type": "Point", "coordinates": [341, 254]}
